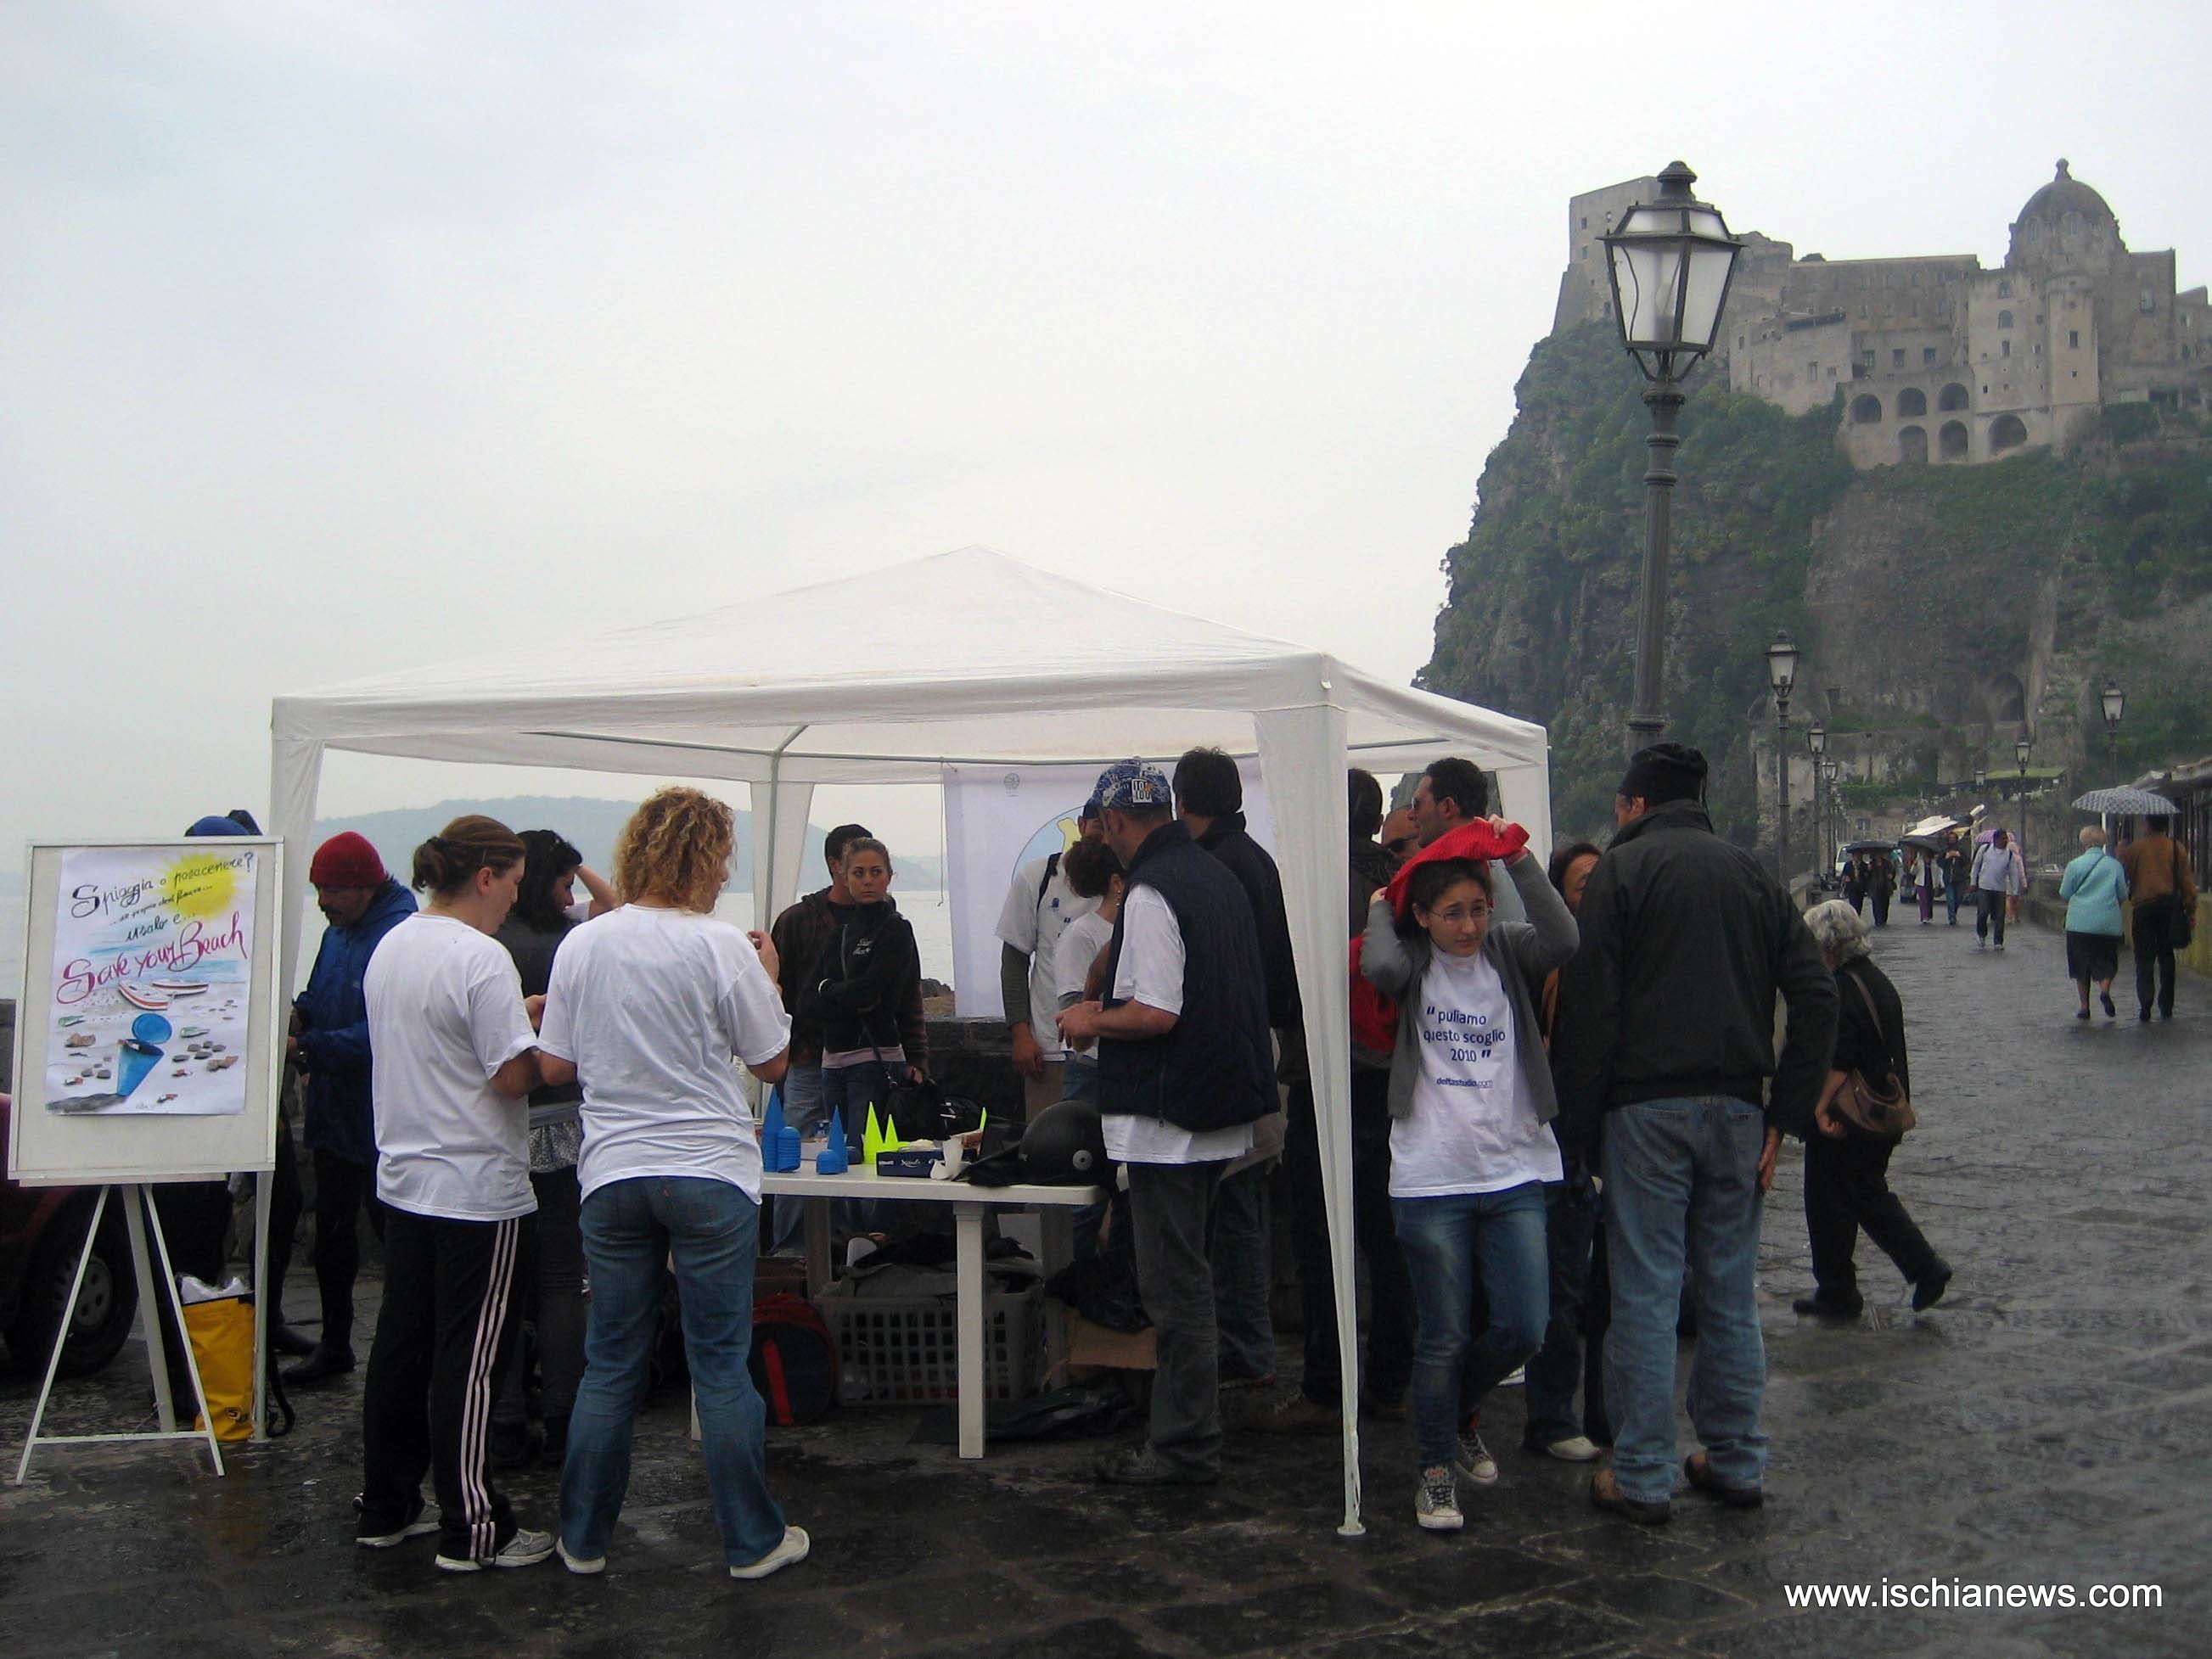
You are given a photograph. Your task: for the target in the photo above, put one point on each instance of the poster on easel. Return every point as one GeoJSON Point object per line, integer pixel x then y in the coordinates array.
{"type": "Point", "coordinates": [149, 1029]}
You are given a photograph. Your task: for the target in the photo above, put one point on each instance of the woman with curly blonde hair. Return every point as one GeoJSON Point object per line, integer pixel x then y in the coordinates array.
{"type": "Point", "coordinates": [648, 1004]}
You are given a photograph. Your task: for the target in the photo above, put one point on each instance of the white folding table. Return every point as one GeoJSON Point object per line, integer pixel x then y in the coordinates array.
{"type": "Point", "coordinates": [1056, 1206]}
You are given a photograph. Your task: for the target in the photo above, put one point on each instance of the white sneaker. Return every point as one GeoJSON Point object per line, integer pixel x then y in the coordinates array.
{"type": "Point", "coordinates": [1575, 1449]}
{"type": "Point", "coordinates": [577, 1563]}
{"type": "Point", "coordinates": [1514, 1378]}
{"type": "Point", "coordinates": [424, 1520]}
{"type": "Point", "coordinates": [789, 1553]}
{"type": "Point", "coordinates": [1436, 1502]}
{"type": "Point", "coordinates": [1474, 1460]}
{"type": "Point", "coordinates": [525, 1549]}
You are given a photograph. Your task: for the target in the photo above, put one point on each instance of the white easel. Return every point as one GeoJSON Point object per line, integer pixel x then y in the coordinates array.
{"type": "Point", "coordinates": [138, 1214]}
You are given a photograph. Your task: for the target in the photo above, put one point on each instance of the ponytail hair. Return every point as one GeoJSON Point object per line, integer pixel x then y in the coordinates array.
{"type": "Point", "coordinates": [676, 849]}
{"type": "Point", "coordinates": [449, 860]}
{"type": "Point", "coordinates": [869, 844]}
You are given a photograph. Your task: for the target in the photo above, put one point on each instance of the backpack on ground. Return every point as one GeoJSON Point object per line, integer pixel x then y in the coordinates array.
{"type": "Point", "coordinates": [793, 1360]}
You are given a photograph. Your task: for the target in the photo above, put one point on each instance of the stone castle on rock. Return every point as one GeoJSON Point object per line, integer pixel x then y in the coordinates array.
{"type": "Point", "coordinates": [1936, 359]}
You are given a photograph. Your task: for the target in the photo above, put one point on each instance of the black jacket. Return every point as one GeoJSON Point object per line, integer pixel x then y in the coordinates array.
{"type": "Point", "coordinates": [1228, 839]}
{"type": "Point", "coordinates": [1864, 1043]}
{"type": "Point", "coordinates": [871, 970]}
{"type": "Point", "coordinates": [805, 939]}
{"type": "Point", "coordinates": [1685, 943]}
{"type": "Point", "coordinates": [1214, 1069]}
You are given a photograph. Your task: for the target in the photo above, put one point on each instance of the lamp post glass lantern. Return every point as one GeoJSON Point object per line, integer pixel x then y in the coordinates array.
{"type": "Point", "coordinates": [2116, 704]}
{"type": "Point", "coordinates": [2019, 748]}
{"type": "Point", "coordinates": [1829, 768]}
{"type": "Point", "coordinates": [1669, 262]}
{"type": "Point", "coordinates": [1782, 674]}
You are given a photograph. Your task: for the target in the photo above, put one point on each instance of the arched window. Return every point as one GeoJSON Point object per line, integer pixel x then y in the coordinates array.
{"type": "Point", "coordinates": [1951, 441]}
{"type": "Point", "coordinates": [1952, 397]}
{"type": "Point", "coordinates": [2004, 319]}
{"type": "Point", "coordinates": [1866, 410]}
{"type": "Point", "coordinates": [1912, 444]}
{"type": "Point", "coordinates": [1911, 401]}
{"type": "Point", "coordinates": [2072, 224]}
{"type": "Point", "coordinates": [2004, 290]}
{"type": "Point", "coordinates": [2007, 432]}
{"type": "Point", "coordinates": [2008, 699]}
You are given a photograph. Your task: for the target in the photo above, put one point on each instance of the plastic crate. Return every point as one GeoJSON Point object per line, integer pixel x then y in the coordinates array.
{"type": "Point", "coordinates": [905, 1349]}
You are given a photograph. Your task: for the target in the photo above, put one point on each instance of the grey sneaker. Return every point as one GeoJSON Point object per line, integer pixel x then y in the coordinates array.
{"type": "Point", "coordinates": [583, 1566]}
{"type": "Point", "coordinates": [789, 1553]}
{"type": "Point", "coordinates": [526, 1549]}
{"type": "Point", "coordinates": [1436, 1502]}
{"type": "Point", "coordinates": [1474, 1460]}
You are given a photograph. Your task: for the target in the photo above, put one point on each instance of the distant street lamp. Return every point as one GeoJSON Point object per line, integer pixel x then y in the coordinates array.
{"type": "Point", "coordinates": [2020, 745]}
{"type": "Point", "coordinates": [2116, 703]}
{"type": "Point", "coordinates": [1782, 674]}
{"type": "Point", "coordinates": [1669, 262]}
{"type": "Point", "coordinates": [1828, 770]}
{"type": "Point", "coordinates": [1981, 777]}
{"type": "Point", "coordinates": [1816, 741]}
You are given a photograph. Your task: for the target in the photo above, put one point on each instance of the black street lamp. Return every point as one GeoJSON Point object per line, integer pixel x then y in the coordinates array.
{"type": "Point", "coordinates": [2116, 703]}
{"type": "Point", "coordinates": [2020, 745]}
{"type": "Point", "coordinates": [1816, 743]}
{"type": "Point", "coordinates": [1829, 769]}
{"type": "Point", "coordinates": [1782, 674]}
{"type": "Point", "coordinates": [1669, 261]}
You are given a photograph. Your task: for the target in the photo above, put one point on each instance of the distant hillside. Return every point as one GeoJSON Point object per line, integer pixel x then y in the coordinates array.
{"type": "Point", "coordinates": [592, 824]}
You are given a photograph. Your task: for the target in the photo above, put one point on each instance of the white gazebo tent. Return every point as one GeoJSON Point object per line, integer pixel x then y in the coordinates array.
{"type": "Point", "coordinates": [969, 657]}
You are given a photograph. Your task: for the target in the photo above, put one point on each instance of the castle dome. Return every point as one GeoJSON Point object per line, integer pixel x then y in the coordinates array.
{"type": "Point", "coordinates": [2065, 226]}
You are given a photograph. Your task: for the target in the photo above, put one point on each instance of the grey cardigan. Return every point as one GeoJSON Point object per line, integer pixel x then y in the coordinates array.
{"type": "Point", "coordinates": [1522, 952]}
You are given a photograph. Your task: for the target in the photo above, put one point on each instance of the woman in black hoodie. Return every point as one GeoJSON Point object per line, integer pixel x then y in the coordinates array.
{"type": "Point", "coordinates": [868, 973]}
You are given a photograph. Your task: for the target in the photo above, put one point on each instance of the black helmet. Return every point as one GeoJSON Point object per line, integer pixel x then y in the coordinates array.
{"type": "Point", "coordinates": [1064, 1146]}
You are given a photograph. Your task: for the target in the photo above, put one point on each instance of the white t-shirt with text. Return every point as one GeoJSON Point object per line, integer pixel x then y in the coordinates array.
{"type": "Point", "coordinates": [650, 1005]}
{"type": "Point", "coordinates": [445, 1014]}
{"type": "Point", "coordinates": [1035, 916]}
{"type": "Point", "coordinates": [1469, 1129]}
{"type": "Point", "coordinates": [1151, 972]}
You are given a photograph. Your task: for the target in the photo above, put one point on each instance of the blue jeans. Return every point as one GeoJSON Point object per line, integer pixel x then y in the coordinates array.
{"type": "Point", "coordinates": [1444, 1239]}
{"type": "Point", "coordinates": [709, 1228]}
{"type": "Point", "coordinates": [849, 1092]}
{"type": "Point", "coordinates": [1681, 1185]}
{"type": "Point", "coordinates": [1570, 1223]}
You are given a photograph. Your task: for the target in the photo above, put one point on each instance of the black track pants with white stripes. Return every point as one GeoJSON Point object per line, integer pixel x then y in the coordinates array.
{"type": "Point", "coordinates": [451, 1314]}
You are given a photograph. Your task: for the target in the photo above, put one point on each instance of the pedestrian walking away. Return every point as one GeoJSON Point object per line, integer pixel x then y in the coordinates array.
{"type": "Point", "coordinates": [1847, 1166]}
{"type": "Point", "coordinates": [1666, 1034]}
{"type": "Point", "coordinates": [2094, 887]}
{"type": "Point", "coordinates": [1472, 1149]}
{"type": "Point", "coordinates": [2163, 883]}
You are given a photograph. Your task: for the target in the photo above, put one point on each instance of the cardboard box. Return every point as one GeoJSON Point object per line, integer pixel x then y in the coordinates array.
{"type": "Point", "coordinates": [1092, 1347]}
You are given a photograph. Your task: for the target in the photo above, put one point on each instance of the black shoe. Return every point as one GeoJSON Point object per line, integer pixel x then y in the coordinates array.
{"type": "Point", "coordinates": [1820, 1307]}
{"type": "Point", "coordinates": [291, 1343]}
{"type": "Point", "coordinates": [1140, 1466]}
{"type": "Point", "coordinates": [1929, 1291]}
{"type": "Point", "coordinates": [324, 1361]}
{"type": "Point", "coordinates": [2105, 997]}
{"type": "Point", "coordinates": [2084, 1014]}
{"type": "Point", "coordinates": [2144, 1014]}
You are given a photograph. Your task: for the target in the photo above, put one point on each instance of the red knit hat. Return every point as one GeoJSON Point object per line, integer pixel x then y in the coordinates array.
{"type": "Point", "coordinates": [346, 860]}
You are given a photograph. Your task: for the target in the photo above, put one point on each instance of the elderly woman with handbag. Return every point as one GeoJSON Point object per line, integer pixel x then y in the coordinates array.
{"type": "Point", "coordinates": [1863, 1114]}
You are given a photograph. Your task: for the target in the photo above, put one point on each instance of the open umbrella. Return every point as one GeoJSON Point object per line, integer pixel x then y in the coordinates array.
{"type": "Point", "coordinates": [2127, 803]}
{"type": "Point", "coordinates": [1870, 847]}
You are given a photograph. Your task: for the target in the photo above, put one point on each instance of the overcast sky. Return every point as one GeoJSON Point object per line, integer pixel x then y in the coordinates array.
{"type": "Point", "coordinates": [336, 338]}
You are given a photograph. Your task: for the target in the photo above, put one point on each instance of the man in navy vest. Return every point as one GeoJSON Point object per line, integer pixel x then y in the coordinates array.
{"type": "Point", "coordinates": [1185, 1069]}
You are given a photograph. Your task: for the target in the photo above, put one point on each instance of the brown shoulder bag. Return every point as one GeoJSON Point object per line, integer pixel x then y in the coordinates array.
{"type": "Point", "coordinates": [1882, 1109]}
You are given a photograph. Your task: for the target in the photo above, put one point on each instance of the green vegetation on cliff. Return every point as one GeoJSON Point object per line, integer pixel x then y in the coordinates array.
{"type": "Point", "coordinates": [1918, 588]}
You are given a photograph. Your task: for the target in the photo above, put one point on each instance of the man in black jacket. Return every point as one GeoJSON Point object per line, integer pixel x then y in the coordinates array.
{"type": "Point", "coordinates": [1665, 1032]}
{"type": "Point", "coordinates": [1183, 1073]}
{"type": "Point", "coordinates": [1209, 794]}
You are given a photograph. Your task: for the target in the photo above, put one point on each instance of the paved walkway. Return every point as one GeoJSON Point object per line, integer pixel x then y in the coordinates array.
{"type": "Point", "coordinates": [2048, 1425]}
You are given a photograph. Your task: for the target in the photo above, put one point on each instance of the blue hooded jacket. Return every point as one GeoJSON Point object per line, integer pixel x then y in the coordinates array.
{"type": "Point", "coordinates": [334, 1047]}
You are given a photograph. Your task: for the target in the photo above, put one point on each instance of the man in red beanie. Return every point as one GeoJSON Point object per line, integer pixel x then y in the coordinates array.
{"type": "Point", "coordinates": [361, 904]}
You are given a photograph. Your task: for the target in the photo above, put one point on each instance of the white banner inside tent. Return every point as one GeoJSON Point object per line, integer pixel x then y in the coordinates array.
{"type": "Point", "coordinates": [997, 818]}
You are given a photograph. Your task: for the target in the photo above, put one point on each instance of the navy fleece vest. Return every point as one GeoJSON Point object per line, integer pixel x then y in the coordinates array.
{"type": "Point", "coordinates": [1216, 1068]}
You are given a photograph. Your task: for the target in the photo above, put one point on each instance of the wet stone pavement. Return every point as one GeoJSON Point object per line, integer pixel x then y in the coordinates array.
{"type": "Point", "coordinates": [2047, 1424]}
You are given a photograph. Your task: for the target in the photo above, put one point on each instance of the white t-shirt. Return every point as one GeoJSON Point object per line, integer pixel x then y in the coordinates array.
{"type": "Point", "coordinates": [445, 1014]}
{"type": "Point", "coordinates": [1469, 1130]}
{"type": "Point", "coordinates": [649, 1005]}
{"type": "Point", "coordinates": [1151, 972]}
{"type": "Point", "coordinates": [1033, 921]}
{"type": "Point", "coordinates": [1086, 936]}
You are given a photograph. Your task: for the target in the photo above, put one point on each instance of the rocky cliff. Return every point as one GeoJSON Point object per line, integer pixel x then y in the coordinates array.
{"type": "Point", "coordinates": [1940, 609]}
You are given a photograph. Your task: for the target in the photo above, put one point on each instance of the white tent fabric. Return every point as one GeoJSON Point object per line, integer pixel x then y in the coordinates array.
{"type": "Point", "coordinates": [884, 678]}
